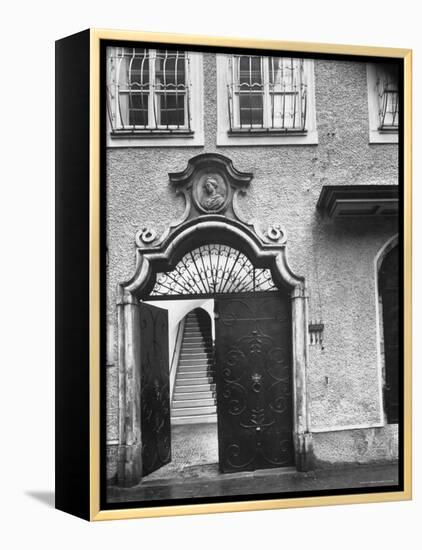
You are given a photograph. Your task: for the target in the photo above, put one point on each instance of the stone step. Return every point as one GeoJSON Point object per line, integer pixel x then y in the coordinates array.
{"type": "Point", "coordinates": [195, 354]}
{"type": "Point", "coordinates": [190, 411]}
{"type": "Point", "coordinates": [203, 361]}
{"type": "Point", "coordinates": [187, 396]}
{"type": "Point", "coordinates": [194, 381]}
{"type": "Point", "coordinates": [201, 364]}
{"type": "Point", "coordinates": [205, 367]}
{"type": "Point", "coordinates": [195, 419]}
{"type": "Point", "coordinates": [192, 353]}
{"type": "Point", "coordinates": [191, 330]}
{"type": "Point", "coordinates": [189, 367]}
{"type": "Point", "coordinates": [195, 346]}
{"type": "Point", "coordinates": [200, 372]}
{"type": "Point", "coordinates": [190, 388]}
{"type": "Point", "coordinates": [194, 373]}
{"type": "Point", "coordinates": [193, 403]}
{"type": "Point", "coordinates": [198, 344]}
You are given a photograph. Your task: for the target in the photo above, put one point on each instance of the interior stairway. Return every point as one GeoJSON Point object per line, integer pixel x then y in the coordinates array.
{"type": "Point", "coordinates": [194, 400]}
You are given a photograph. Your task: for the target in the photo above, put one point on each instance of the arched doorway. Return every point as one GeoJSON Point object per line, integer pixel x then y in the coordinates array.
{"type": "Point", "coordinates": [388, 288]}
{"type": "Point", "coordinates": [261, 327]}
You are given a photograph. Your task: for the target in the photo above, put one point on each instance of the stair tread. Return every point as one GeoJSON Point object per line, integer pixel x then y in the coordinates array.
{"type": "Point", "coordinates": [196, 378]}
{"type": "Point", "coordinates": [189, 411]}
{"type": "Point", "coordinates": [205, 403]}
{"type": "Point", "coordinates": [199, 388]}
{"type": "Point", "coordinates": [190, 370]}
{"type": "Point", "coordinates": [197, 357]}
{"type": "Point", "coordinates": [186, 396]}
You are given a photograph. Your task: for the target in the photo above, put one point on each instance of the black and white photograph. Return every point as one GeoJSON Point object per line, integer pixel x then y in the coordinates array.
{"type": "Point", "coordinates": [252, 275]}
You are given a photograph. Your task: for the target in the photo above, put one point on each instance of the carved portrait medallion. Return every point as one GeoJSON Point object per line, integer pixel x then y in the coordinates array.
{"type": "Point", "coordinates": [211, 193]}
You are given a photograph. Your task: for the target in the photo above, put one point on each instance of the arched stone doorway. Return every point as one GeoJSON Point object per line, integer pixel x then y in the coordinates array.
{"type": "Point", "coordinates": [217, 227]}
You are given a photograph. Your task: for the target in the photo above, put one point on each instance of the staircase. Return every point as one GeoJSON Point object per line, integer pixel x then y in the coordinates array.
{"type": "Point", "coordinates": [194, 392]}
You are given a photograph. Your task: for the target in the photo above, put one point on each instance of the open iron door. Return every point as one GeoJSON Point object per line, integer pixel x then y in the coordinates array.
{"type": "Point", "coordinates": [254, 382]}
{"type": "Point", "coordinates": [155, 388]}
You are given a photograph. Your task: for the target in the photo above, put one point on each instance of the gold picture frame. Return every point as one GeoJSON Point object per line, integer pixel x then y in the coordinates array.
{"type": "Point", "coordinates": [95, 513]}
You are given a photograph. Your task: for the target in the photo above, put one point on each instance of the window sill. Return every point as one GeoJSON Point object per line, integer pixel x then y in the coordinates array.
{"type": "Point", "coordinates": [260, 136]}
{"type": "Point", "coordinates": [383, 136]}
{"type": "Point", "coordinates": [125, 133]}
{"type": "Point", "coordinates": [265, 132]}
{"type": "Point", "coordinates": [155, 138]}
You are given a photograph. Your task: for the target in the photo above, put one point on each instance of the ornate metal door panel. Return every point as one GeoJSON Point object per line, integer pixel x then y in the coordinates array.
{"type": "Point", "coordinates": [254, 382]}
{"type": "Point", "coordinates": [155, 399]}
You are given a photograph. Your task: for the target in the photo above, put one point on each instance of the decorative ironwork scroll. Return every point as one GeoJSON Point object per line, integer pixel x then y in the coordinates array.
{"type": "Point", "coordinates": [155, 400]}
{"type": "Point", "coordinates": [213, 269]}
{"type": "Point", "coordinates": [254, 382]}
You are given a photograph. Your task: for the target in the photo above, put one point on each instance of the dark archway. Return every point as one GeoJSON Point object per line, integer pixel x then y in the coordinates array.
{"type": "Point", "coordinates": [388, 288]}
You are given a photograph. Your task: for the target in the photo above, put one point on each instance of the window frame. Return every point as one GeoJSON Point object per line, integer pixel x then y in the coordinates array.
{"type": "Point", "coordinates": [377, 134]}
{"type": "Point", "coordinates": [155, 135]}
{"type": "Point", "coordinates": [262, 135]}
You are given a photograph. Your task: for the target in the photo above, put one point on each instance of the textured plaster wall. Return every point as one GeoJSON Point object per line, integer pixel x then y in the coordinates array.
{"type": "Point", "coordinates": [335, 256]}
{"type": "Point", "coordinates": [356, 446]}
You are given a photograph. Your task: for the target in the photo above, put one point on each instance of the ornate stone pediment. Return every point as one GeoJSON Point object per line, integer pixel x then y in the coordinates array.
{"type": "Point", "coordinates": [211, 186]}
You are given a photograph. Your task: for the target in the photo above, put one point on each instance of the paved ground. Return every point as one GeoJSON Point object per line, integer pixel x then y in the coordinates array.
{"type": "Point", "coordinates": [193, 472]}
{"type": "Point", "coordinates": [192, 445]}
{"type": "Point", "coordinates": [206, 481]}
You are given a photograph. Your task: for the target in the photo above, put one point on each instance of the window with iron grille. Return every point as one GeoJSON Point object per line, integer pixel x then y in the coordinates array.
{"type": "Point", "coordinates": [388, 97]}
{"type": "Point", "coordinates": [149, 92]}
{"type": "Point", "coordinates": [383, 102]}
{"type": "Point", "coordinates": [267, 94]}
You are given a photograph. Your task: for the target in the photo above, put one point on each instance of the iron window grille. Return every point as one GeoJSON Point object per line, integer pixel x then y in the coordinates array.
{"type": "Point", "coordinates": [149, 92]}
{"type": "Point", "coordinates": [388, 98]}
{"type": "Point", "coordinates": [213, 269]}
{"type": "Point", "coordinates": [267, 94]}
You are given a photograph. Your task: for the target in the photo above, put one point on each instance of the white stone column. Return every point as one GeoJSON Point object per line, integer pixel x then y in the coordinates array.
{"type": "Point", "coordinates": [129, 468]}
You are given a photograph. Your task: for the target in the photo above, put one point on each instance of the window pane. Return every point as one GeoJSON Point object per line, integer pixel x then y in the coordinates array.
{"type": "Point", "coordinates": [387, 81]}
{"type": "Point", "coordinates": [171, 109]}
{"type": "Point", "coordinates": [251, 109]}
{"type": "Point", "coordinates": [286, 110]}
{"type": "Point", "coordinates": [250, 74]}
{"type": "Point", "coordinates": [287, 93]}
{"type": "Point", "coordinates": [285, 73]}
{"type": "Point", "coordinates": [170, 69]}
{"type": "Point", "coordinates": [138, 69]}
{"type": "Point", "coordinates": [138, 109]}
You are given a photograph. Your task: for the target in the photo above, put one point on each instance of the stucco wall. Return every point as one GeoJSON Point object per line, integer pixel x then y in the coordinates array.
{"type": "Point", "coordinates": [336, 256]}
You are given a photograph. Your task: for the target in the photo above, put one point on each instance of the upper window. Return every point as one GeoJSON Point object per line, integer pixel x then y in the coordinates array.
{"type": "Point", "coordinates": [267, 93]}
{"type": "Point", "coordinates": [383, 102]}
{"type": "Point", "coordinates": [150, 93]}
{"type": "Point", "coordinates": [388, 97]}
{"type": "Point", "coordinates": [269, 97]}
